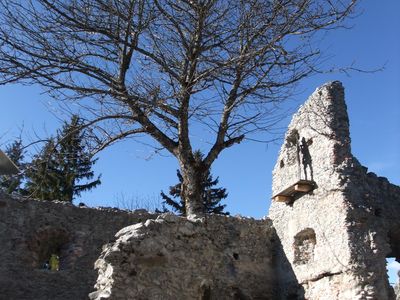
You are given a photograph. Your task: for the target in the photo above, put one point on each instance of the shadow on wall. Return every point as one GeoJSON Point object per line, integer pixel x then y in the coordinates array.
{"type": "Point", "coordinates": [289, 287]}
{"type": "Point", "coordinates": [394, 242]}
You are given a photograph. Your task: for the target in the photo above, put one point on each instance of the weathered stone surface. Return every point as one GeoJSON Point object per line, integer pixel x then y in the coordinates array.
{"type": "Point", "coordinates": [216, 257]}
{"type": "Point", "coordinates": [397, 290]}
{"type": "Point", "coordinates": [30, 230]}
{"type": "Point", "coordinates": [336, 237]}
{"type": "Point", "coordinates": [327, 243]}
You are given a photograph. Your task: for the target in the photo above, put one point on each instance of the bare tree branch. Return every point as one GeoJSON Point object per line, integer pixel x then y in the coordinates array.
{"type": "Point", "coordinates": [166, 67]}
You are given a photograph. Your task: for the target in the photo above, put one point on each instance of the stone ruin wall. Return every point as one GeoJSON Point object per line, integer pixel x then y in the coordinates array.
{"type": "Point", "coordinates": [216, 257]}
{"type": "Point", "coordinates": [315, 222]}
{"type": "Point", "coordinates": [159, 257]}
{"type": "Point", "coordinates": [328, 243]}
{"type": "Point", "coordinates": [30, 231]}
{"type": "Point", "coordinates": [336, 237]}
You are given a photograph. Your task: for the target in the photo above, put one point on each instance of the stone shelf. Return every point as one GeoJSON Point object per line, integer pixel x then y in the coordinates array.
{"type": "Point", "coordinates": [288, 194]}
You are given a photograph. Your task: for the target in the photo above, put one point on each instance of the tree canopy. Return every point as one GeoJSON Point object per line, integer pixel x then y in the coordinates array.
{"type": "Point", "coordinates": [165, 67]}
{"type": "Point", "coordinates": [63, 168]}
{"type": "Point", "coordinates": [58, 171]}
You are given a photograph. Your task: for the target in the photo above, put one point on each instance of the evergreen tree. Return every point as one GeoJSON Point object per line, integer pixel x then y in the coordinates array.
{"type": "Point", "coordinates": [58, 170]}
{"type": "Point", "coordinates": [42, 173]}
{"type": "Point", "coordinates": [211, 195]}
{"type": "Point", "coordinates": [12, 183]}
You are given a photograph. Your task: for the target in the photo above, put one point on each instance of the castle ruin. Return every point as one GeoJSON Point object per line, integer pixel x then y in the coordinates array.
{"type": "Point", "coordinates": [330, 228]}
{"type": "Point", "coordinates": [337, 235]}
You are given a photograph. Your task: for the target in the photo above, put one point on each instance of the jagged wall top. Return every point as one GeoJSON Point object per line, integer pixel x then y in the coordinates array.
{"type": "Point", "coordinates": [317, 139]}
{"type": "Point", "coordinates": [336, 237]}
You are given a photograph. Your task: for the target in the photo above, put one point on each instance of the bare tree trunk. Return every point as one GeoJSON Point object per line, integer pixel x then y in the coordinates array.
{"type": "Point", "coordinates": [157, 67]}
{"type": "Point", "coordinates": [191, 189]}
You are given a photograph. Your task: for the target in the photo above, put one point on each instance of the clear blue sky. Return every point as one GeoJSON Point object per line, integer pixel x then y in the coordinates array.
{"type": "Point", "coordinates": [373, 104]}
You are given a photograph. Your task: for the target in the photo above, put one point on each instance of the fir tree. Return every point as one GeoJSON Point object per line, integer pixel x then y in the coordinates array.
{"type": "Point", "coordinates": [58, 171]}
{"type": "Point", "coordinates": [42, 173]}
{"type": "Point", "coordinates": [12, 183]}
{"type": "Point", "coordinates": [211, 195]}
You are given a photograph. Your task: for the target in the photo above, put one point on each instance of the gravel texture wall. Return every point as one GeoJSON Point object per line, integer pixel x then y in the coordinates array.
{"type": "Point", "coordinates": [30, 231]}
{"type": "Point", "coordinates": [331, 226]}
{"type": "Point", "coordinates": [215, 257]}
{"type": "Point", "coordinates": [335, 237]}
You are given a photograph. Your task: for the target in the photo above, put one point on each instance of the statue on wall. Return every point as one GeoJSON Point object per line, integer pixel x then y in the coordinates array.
{"type": "Point", "coordinates": [306, 158]}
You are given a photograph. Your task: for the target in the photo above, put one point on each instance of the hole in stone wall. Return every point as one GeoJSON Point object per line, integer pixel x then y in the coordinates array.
{"type": "Point", "coordinates": [393, 258]}
{"type": "Point", "coordinates": [293, 138]}
{"type": "Point", "coordinates": [236, 256]}
{"type": "Point", "coordinates": [378, 212]}
{"type": "Point", "coordinates": [50, 249]}
{"type": "Point", "coordinates": [392, 268]}
{"type": "Point", "coordinates": [282, 163]}
{"type": "Point", "coordinates": [304, 244]}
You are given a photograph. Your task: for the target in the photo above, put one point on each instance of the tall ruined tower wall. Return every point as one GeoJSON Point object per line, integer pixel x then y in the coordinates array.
{"type": "Point", "coordinates": [330, 215]}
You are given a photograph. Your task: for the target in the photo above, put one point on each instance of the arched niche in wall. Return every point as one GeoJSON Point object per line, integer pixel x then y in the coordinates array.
{"type": "Point", "coordinates": [46, 242]}
{"type": "Point", "coordinates": [304, 244]}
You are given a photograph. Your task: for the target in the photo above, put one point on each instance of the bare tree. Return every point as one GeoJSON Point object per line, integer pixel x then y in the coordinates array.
{"type": "Point", "coordinates": [151, 203]}
{"type": "Point", "coordinates": [163, 67]}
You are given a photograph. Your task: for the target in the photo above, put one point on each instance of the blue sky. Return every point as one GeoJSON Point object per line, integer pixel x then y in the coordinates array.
{"type": "Point", "coordinates": [245, 170]}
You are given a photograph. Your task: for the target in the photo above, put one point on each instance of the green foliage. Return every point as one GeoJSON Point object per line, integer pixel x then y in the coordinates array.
{"type": "Point", "coordinates": [12, 183]}
{"type": "Point", "coordinates": [211, 196]}
{"type": "Point", "coordinates": [41, 179]}
{"type": "Point", "coordinates": [57, 172]}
